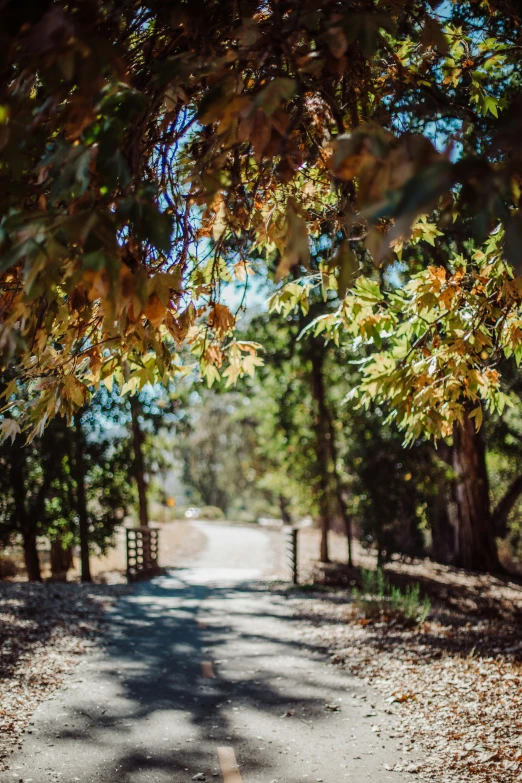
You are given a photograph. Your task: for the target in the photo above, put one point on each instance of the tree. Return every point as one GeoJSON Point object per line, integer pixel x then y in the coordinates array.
{"type": "Point", "coordinates": [70, 485]}
{"type": "Point", "coordinates": [217, 446]}
{"type": "Point", "coordinates": [296, 379]}
{"type": "Point", "coordinates": [18, 513]}
{"type": "Point", "coordinates": [134, 183]}
{"type": "Point", "coordinates": [79, 471]}
{"type": "Point", "coordinates": [139, 465]}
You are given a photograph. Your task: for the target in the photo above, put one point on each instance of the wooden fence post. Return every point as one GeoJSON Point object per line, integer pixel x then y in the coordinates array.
{"type": "Point", "coordinates": [292, 552]}
{"type": "Point", "coordinates": [142, 544]}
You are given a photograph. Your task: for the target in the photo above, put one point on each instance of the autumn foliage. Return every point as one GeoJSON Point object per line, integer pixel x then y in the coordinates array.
{"type": "Point", "coordinates": [151, 153]}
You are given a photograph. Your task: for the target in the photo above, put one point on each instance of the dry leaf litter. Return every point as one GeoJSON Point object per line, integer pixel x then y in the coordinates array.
{"type": "Point", "coordinates": [44, 628]}
{"type": "Point", "coordinates": [454, 684]}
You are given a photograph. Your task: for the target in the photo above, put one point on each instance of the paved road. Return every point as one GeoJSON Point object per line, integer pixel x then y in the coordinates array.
{"type": "Point", "coordinates": [146, 708]}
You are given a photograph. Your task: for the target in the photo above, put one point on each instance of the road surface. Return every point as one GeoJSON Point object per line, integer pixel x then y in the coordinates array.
{"type": "Point", "coordinates": [204, 676]}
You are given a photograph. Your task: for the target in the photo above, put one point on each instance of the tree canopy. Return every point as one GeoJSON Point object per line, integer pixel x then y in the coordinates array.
{"type": "Point", "coordinates": [152, 152]}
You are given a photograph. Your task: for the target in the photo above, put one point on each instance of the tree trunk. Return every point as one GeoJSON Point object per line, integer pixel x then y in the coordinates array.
{"type": "Point", "coordinates": [78, 465]}
{"type": "Point", "coordinates": [343, 510]}
{"type": "Point", "coordinates": [323, 451]}
{"type": "Point", "coordinates": [285, 514]}
{"type": "Point", "coordinates": [27, 524]}
{"type": "Point", "coordinates": [502, 511]}
{"type": "Point", "coordinates": [442, 531]}
{"type": "Point", "coordinates": [139, 465]}
{"type": "Point", "coordinates": [31, 559]}
{"type": "Point", "coordinates": [324, 554]}
{"type": "Point", "coordinates": [331, 487]}
{"type": "Point", "coordinates": [61, 560]}
{"type": "Point", "coordinates": [476, 547]}
{"type": "Point", "coordinates": [348, 529]}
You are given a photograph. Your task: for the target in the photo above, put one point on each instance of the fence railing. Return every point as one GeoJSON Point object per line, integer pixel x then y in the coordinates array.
{"type": "Point", "coordinates": [142, 552]}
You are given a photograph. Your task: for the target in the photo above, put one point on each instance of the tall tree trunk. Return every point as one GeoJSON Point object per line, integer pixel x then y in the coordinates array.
{"type": "Point", "coordinates": [442, 531]}
{"type": "Point", "coordinates": [347, 520]}
{"type": "Point", "coordinates": [61, 560]}
{"type": "Point", "coordinates": [79, 471]}
{"type": "Point", "coordinates": [341, 503]}
{"type": "Point", "coordinates": [331, 487]}
{"type": "Point", "coordinates": [442, 510]}
{"type": "Point", "coordinates": [285, 514]}
{"type": "Point", "coordinates": [324, 519]}
{"type": "Point", "coordinates": [139, 465]}
{"type": "Point", "coordinates": [323, 447]}
{"type": "Point", "coordinates": [27, 524]}
{"type": "Point", "coordinates": [31, 559]}
{"type": "Point", "coordinates": [503, 509]}
{"type": "Point", "coordinates": [476, 547]}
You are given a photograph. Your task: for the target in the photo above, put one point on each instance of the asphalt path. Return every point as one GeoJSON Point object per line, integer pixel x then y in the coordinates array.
{"type": "Point", "coordinates": [205, 675]}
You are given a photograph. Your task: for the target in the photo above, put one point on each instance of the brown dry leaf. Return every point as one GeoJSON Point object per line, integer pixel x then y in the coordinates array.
{"type": "Point", "coordinates": [336, 40]}
{"type": "Point", "coordinates": [297, 249]}
{"type": "Point", "coordinates": [97, 284]}
{"type": "Point", "coordinates": [214, 355]}
{"type": "Point", "coordinates": [221, 319]}
{"type": "Point", "coordinates": [179, 327]}
{"type": "Point", "coordinates": [155, 311]}
{"type": "Point", "coordinates": [260, 133]}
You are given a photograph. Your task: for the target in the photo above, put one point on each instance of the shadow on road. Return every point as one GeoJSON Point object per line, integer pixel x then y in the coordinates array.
{"type": "Point", "coordinates": [154, 648]}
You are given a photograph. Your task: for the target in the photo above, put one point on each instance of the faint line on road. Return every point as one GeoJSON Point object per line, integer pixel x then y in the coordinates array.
{"type": "Point", "coordinates": [228, 764]}
{"type": "Point", "coordinates": [207, 670]}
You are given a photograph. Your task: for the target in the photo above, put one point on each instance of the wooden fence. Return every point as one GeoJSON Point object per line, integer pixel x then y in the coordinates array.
{"type": "Point", "coordinates": [291, 551]}
{"type": "Point", "coordinates": [142, 552]}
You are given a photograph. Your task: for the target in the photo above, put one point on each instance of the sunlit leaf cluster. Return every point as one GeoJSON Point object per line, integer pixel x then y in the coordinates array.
{"type": "Point", "coordinates": [154, 154]}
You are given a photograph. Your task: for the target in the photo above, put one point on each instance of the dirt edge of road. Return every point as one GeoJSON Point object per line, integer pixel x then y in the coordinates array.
{"type": "Point", "coordinates": [45, 629]}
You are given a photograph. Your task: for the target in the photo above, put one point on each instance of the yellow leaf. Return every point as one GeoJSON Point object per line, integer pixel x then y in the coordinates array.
{"type": "Point", "coordinates": [10, 429]}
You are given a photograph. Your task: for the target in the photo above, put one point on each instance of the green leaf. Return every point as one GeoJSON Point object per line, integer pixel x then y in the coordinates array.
{"type": "Point", "coordinates": [11, 256]}
{"type": "Point", "coordinates": [277, 91]}
{"type": "Point", "coordinates": [367, 290]}
{"type": "Point", "coordinates": [477, 414]}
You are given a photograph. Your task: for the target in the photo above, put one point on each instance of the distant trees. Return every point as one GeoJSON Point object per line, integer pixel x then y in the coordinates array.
{"type": "Point", "coordinates": [315, 447]}
{"type": "Point", "coordinates": [338, 464]}
{"type": "Point", "coordinates": [138, 463]}
{"type": "Point", "coordinates": [70, 485]}
{"type": "Point", "coordinates": [217, 448]}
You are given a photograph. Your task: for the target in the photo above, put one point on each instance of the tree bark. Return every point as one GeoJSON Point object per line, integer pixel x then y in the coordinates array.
{"type": "Point", "coordinates": [442, 531]}
{"type": "Point", "coordinates": [78, 465]}
{"type": "Point", "coordinates": [331, 485]}
{"type": "Point", "coordinates": [341, 503]}
{"type": "Point", "coordinates": [323, 450]}
{"type": "Point", "coordinates": [61, 560]}
{"type": "Point", "coordinates": [348, 529]}
{"type": "Point", "coordinates": [27, 524]}
{"type": "Point", "coordinates": [31, 559]}
{"type": "Point", "coordinates": [285, 514]}
{"type": "Point", "coordinates": [139, 464]}
{"type": "Point", "coordinates": [476, 547]}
